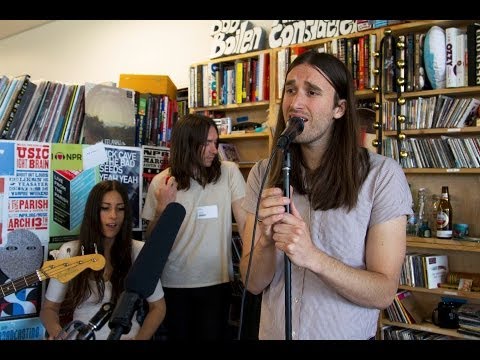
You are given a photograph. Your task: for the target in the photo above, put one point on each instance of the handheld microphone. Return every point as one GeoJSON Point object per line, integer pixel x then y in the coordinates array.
{"type": "Point", "coordinates": [143, 276]}
{"type": "Point", "coordinates": [293, 129]}
{"type": "Point", "coordinates": [87, 332]}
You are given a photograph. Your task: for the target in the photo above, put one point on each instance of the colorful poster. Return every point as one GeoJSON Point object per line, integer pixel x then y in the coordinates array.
{"type": "Point", "coordinates": [67, 157]}
{"type": "Point", "coordinates": [3, 210]}
{"type": "Point", "coordinates": [22, 329]}
{"type": "Point", "coordinates": [28, 190]}
{"type": "Point", "coordinates": [69, 189]}
{"type": "Point", "coordinates": [25, 241]}
{"type": "Point", "coordinates": [124, 164]}
{"type": "Point", "coordinates": [22, 255]}
{"type": "Point", "coordinates": [155, 160]}
{"type": "Point", "coordinates": [7, 158]}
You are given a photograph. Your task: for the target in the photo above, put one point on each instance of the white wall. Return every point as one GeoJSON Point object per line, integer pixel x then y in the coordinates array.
{"type": "Point", "coordinates": [79, 51]}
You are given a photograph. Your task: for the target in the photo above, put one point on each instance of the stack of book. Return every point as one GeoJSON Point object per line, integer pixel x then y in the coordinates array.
{"type": "Point", "coordinates": [404, 309]}
{"type": "Point", "coordinates": [469, 319]}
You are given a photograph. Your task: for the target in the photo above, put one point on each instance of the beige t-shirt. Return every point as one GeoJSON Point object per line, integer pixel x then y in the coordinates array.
{"type": "Point", "coordinates": [201, 254]}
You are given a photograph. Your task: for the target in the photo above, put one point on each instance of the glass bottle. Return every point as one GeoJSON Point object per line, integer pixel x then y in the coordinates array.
{"type": "Point", "coordinates": [433, 219]}
{"type": "Point", "coordinates": [444, 216]}
{"type": "Point", "coordinates": [412, 220]}
{"type": "Point", "coordinates": [420, 211]}
{"type": "Point", "coordinates": [424, 230]}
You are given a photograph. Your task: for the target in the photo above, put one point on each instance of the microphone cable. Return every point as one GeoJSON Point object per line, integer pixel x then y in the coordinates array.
{"type": "Point", "coordinates": [247, 275]}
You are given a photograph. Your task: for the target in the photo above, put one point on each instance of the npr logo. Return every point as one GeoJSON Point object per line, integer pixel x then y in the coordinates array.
{"type": "Point", "coordinates": [62, 156]}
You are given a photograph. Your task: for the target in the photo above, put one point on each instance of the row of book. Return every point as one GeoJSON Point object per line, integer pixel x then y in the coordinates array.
{"type": "Point", "coordinates": [230, 82]}
{"type": "Point", "coordinates": [445, 152]}
{"type": "Point", "coordinates": [40, 110]}
{"type": "Point", "coordinates": [48, 111]}
{"type": "Point", "coordinates": [398, 333]}
{"type": "Point", "coordinates": [460, 53]}
{"type": "Point", "coordinates": [469, 319]}
{"type": "Point", "coordinates": [441, 111]}
{"type": "Point", "coordinates": [154, 119]}
{"type": "Point", "coordinates": [357, 53]}
{"type": "Point", "coordinates": [404, 309]}
{"type": "Point", "coordinates": [424, 270]}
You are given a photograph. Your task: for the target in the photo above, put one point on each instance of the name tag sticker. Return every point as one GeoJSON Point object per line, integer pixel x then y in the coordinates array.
{"type": "Point", "coordinates": [207, 212]}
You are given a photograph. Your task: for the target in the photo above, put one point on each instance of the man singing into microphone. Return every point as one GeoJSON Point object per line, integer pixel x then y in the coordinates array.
{"type": "Point", "coordinates": [345, 233]}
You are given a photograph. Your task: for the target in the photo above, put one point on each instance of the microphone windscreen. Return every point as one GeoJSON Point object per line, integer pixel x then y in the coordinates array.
{"type": "Point", "coordinates": [143, 276]}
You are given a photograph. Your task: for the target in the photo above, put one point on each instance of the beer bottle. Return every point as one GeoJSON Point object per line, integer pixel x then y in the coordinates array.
{"type": "Point", "coordinates": [444, 216]}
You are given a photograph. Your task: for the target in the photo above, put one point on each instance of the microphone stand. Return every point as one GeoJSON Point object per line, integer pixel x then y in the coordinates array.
{"type": "Point", "coordinates": [121, 319]}
{"type": "Point", "coordinates": [288, 265]}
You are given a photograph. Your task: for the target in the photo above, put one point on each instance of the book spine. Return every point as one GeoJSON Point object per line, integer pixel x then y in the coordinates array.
{"type": "Point", "coordinates": [16, 104]}
{"type": "Point", "coordinates": [473, 50]}
{"type": "Point", "coordinates": [361, 64]}
{"type": "Point", "coordinates": [451, 53]}
{"type": "Point", "coordinates": [20, 113]}
{"type": "Point", "coordinates": [238, 82]}
{"type": "Point", "coordinates": [460, 60]}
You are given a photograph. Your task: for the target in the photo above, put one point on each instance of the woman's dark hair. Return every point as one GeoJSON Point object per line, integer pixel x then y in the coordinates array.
{"type": "Point", "coordinates": [90, 236]}
{"type": "Point", "coordinates": [189, 136]}
{"type": "Point", "coordinates": [345, 165]}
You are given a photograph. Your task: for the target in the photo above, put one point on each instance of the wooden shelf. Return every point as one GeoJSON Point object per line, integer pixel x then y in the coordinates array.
{"type": "Point", "coordinates": [248, 165]}
{"type": "Point", "coordinates": [247, 135]}
{"type": "Point", "coordinates": [235, 57]}
{"type": "Point", "coordinates": [441, 171]}
{"type": "Point", "coordinates": [459, 91]}
{"type": "Point", "coordinates": [428, 327]}
{"type": "Point", "coordinates": [247, 105]}
{"type": "Point", "coordinates": [437, 131]}
{"type": "Point", "coordinates": [443, 292]}
{"type": "Point", "coordinates": [434, 243]}
{"type": "Point", "coordinates": [424, 25]}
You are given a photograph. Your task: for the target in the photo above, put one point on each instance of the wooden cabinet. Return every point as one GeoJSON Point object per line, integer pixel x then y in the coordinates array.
{"type": "Point", "coordinates": [431, 159]}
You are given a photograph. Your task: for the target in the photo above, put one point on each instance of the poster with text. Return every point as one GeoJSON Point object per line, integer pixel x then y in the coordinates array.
{"type": "Point", "coordinates": [69, 189]}
{"type": "Point", "coordinates": [24, 247]}
{"type": "Point", "coordinates": [155, 160]}
{"type": "Point", "coordinates": [22, 329]}
{"type": "Point", "coordinates": [124, 164]}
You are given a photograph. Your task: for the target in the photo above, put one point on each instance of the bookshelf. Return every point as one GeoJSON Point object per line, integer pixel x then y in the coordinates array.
{"type": "Point", "coordinates": [432, 172]}
{"type": "Point", "coordinates": [463, 256]}
{"type": "Point", "coordinates": [462, 181]}
{"type": "Point", "coordinates": [252, 72]}
{"type": "Point", "coordinates": [251, 146]}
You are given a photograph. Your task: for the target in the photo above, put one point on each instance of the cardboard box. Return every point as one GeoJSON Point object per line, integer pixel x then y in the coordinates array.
{"type": "Point", "coordinates": [154, 84]}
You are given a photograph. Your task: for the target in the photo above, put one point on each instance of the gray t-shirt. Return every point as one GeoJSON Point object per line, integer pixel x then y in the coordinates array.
{"type": "Point", "coordinates": [318, 312]}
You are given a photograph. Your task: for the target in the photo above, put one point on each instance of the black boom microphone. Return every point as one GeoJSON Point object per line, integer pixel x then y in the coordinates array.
{"type": "Point", "coordinates": [293, 129]}
{"type": "Point", "coordinates": [143, 276]}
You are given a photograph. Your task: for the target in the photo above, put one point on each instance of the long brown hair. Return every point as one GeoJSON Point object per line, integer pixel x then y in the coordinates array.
{"type": "Point", "coordinates": [90, 236]}
{"type": "Point", "coordinates": [189, 136]}
{"type": "Point", "coordinates": [345, 165]}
